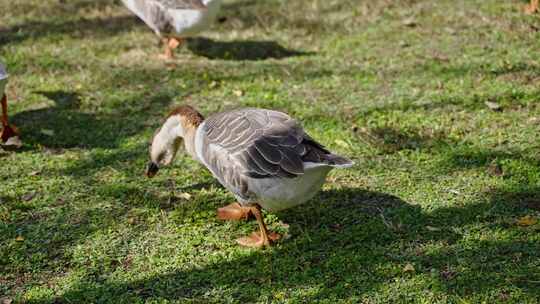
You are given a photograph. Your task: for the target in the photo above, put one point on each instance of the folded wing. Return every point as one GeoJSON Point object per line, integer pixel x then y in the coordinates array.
{"type": "Point", "coordinates": [260, 143]}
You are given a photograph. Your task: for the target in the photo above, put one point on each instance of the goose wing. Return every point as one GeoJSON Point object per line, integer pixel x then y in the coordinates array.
{"type": "Point", "coordinates": [257, 143]}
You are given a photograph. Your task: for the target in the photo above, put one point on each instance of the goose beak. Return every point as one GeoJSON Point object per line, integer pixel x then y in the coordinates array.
{"type": "Point", "coordinates": [152, 169]}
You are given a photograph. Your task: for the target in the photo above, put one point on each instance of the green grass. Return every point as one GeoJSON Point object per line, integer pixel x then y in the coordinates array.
{"type": "Point", "coordinates": [399, 86]}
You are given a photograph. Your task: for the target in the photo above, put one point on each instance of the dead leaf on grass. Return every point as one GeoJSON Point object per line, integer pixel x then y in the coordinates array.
{"type": "Point", "coordinates": [28, 196]}
{"type": "Point", "coordinates": [527, 221]}
{"type": "Point", "coordinates": [6, 300]}
{"type": "Point", "coordinates": [184, 195]}
{"type": "Point", "coordinates": [47, 132]}
{"type": "Point", "coordinates": [410, 22]}
{"type": "Point", "coordinates": [495, 170]}
{"type": "Point", "coordinates": [431, 228]}
{"type": "Point", "coordinates": [238, 93]}
{"type": "Point", "coordinates": [408, 268]}
{"type": "Point", "coordinates": [493, 106]}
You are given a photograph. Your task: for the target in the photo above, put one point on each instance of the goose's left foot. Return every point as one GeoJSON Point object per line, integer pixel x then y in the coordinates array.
{"type": "Point", "coordinates": [262, 239]}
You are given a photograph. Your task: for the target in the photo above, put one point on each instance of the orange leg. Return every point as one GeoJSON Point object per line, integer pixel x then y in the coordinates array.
{"type": "Point", "coordinates": [170, 45]}
{"type": "Point", "coordinates": [532, 7]}
{"type": "Point", "coordinates": [4, 111]}
{"type": "Point", "coordinates": [8, 131]}
{"type": "Point", "coordinates": [234, 212]}
{"type": "Point", "coordinates": [262, 239]}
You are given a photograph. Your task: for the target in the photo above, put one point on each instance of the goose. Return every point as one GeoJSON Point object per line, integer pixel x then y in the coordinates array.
{"type": "Point", "coordinates": [174, 20]}
{"type": "Point", "coordinates": [262, 156]}
{"type": "Point", "coordinates": [9, 136]}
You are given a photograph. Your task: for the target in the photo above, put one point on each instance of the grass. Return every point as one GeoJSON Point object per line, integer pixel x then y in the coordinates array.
{"type": "Point", "coordinates": [428, 215]}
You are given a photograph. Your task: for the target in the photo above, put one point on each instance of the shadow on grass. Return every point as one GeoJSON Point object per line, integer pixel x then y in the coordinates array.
{"type": "Point", "coordinates": [240, 50]}
{"type": "Point", "coordinates": [64, 126]}
{"type": "Point", "coordinates": [346, 244]}
{"type": "Point", "coordinates": [82, 28]}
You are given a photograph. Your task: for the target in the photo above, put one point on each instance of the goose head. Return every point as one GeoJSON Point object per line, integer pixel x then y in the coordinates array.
{"type": "Point", "coordinates": [179, 128]}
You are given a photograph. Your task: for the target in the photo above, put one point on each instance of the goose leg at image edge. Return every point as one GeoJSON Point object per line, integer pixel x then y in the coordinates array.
{"type": "Point", "coordinates": [261, 239]}
{"type": "Point", "coordinates": [7, 130]}
{"type": "Point", "coordinates": [234, 212]}
{"type": "Point", "coordinates": [532, 7]}
{"type": "Point", "coordinates": [170, 44]}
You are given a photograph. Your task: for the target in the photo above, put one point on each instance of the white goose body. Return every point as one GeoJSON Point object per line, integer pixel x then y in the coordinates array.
{"type": "Point", "coordinates": [264, 157]}
{"type": "Point", "coordinates": [175, 18]}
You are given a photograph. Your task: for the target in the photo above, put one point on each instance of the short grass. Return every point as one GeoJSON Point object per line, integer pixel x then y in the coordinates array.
{"type": "Point", "coordinates": [429, 214]}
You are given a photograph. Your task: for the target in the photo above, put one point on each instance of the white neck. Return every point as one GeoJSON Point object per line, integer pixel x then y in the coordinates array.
{"type": "Point", "coordinates": [173, 129]}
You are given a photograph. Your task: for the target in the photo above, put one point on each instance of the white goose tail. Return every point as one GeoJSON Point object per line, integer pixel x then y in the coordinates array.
{"type": "Point", "coordinates": [338, 161]}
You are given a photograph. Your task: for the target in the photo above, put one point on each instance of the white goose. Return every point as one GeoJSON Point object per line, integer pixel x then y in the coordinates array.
{"type": "Point", "coordinates": [173, 20]}
{"type": "Point", "coordinates": [263, 157]}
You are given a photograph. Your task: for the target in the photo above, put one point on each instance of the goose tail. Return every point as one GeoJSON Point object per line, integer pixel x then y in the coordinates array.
{"type": "Point", "coordinates": [338, 161]}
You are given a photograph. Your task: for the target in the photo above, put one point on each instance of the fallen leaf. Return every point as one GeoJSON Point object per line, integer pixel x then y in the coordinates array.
{"type": "Point", "coordinates": [534, 120]}
{"type": "Point", "coordinates": [495, 169]}
{"type": "Point", "coordinates": [185, 195]}
{"type": "Point", "coordinates": [527, 221]}
{"type": "Point", "coordinates": [13, 143]}
{"type": "Point", "coordinates": [47, 132]}
{"type": "Point", "coordinates": [28, 196]}
{"type": "Point", "coordinates": [238, 93]}
{"type": "Point", "coordinates": [19, 238]}
{"type": "Point", "coordinates": [410, 22]}
{"type": "Point", "coordinates": [408, 268]}
{"type": "Point", "coordinates": [6, 300]}
{"type": "Point", "coordinates": [404, 44]}
{"type": "Point", "coordinates": [430, 228]}
{"type": "Point", "coordinates": [493, 106]}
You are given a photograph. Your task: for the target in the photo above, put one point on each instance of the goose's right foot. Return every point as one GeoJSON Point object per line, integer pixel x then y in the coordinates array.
{"type": "Point", "coordinates": [234, 212]}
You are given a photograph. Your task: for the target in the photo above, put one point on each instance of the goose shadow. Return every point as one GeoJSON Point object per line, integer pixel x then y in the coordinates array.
{"type": "Point", "coordinates": [344, 242]}
{"type": "Point", "coordinates": [241, 50]}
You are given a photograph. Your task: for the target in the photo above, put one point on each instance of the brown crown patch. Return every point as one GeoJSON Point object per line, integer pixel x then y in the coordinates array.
{"type": "Point", "coordinates": [191, 115]}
